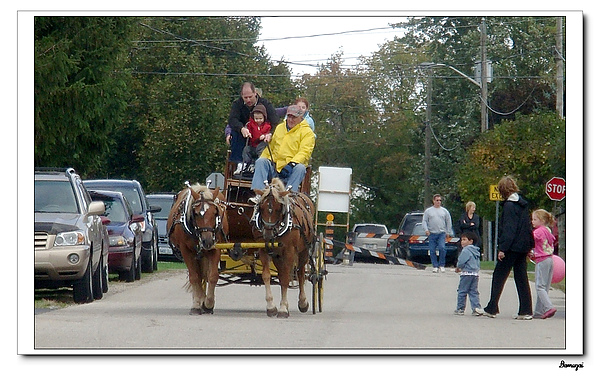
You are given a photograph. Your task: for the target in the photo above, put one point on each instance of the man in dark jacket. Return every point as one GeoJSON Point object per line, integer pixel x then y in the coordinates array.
{"type": "Point", "coordinates": [515, 240]}
{"type": "Point", "coordinates": [239, 115]}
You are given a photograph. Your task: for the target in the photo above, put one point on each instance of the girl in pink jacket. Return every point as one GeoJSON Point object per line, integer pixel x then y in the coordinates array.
{"type": "Point", "coordinates": [541, 221]}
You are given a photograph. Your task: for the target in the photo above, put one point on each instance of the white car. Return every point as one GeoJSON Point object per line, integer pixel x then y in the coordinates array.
{"type": "Point", "coordinates": [372, 237]}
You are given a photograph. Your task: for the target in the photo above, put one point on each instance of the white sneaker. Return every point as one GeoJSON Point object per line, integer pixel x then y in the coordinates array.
{"type": "Point", "coordinates": [255, 200]}
{"type": "Point", "coordinates": [442, 269]}
{"type": "Point", "coordinates": [435, 270]}
{"type": "Point", "coordinates": [238, 170]}
{"type": "Point", "coordinates": [478, 312]}
{"type": "Point", "coordinates": [523, 317]}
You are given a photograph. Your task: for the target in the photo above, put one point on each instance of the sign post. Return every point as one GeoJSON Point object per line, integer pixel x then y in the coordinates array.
{"type": "Point", "coordinates": [556, 189]}
{"type": "Point", "coordinates": [495, 196]}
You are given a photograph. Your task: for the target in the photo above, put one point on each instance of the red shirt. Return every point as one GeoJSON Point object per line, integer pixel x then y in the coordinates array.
{"type": "Point", "coordinates": [257, 130]}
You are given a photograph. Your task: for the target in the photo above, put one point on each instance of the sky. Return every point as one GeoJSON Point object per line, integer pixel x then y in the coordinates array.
{"type": "Point", "coordinates": [301, 39]}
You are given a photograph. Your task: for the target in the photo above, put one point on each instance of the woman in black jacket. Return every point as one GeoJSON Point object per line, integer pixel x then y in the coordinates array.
{"type": "Point", "coordinates": [469, 221]}
{"type": "Point", "coordinates": [515, 240]}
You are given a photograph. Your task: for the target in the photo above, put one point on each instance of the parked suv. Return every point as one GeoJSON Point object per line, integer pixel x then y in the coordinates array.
{"type": "Point", "coordinates": [71, 240]}
{"type": "Point", "coordinates": [134, 193]}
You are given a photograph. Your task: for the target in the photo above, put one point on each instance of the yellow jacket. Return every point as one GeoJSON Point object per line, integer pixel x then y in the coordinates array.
{"type": "Point", "coordinates": [295, 145]}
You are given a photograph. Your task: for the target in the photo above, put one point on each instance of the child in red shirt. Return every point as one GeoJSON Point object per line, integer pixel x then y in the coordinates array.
{"type": "Point", "coordinates": [259, 127]}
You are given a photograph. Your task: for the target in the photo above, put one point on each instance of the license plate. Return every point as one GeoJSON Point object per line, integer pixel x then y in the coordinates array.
{"type": "Point", "coordinates": [165, 251]}
{"type": "Point", "coordinates": [371, 246]}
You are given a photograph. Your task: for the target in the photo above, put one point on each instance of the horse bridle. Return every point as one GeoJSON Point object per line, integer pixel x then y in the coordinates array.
{"type": "Point", "coordinates": [218, 221]}
{"type": "Point", "coordinates": [279, 227]}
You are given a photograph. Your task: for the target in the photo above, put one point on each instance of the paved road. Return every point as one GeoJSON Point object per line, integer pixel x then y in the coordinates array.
{"type": "Point", "coordinates": [369, 308]}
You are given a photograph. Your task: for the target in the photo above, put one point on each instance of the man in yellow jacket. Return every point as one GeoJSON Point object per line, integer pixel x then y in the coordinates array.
{"type": "Point", "coordinates": [288, 153]}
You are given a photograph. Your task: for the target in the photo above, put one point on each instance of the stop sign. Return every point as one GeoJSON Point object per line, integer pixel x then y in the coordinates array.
{"type": "Point", "coordinates": [556, 189]}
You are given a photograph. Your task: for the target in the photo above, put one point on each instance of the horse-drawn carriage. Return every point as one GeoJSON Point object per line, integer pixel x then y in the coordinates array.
{"type": "Point", "coordinates": [225, 239]}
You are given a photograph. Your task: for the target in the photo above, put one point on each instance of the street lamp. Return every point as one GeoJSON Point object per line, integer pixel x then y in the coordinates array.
{"type": "Point", "coordinates": [481, 85]}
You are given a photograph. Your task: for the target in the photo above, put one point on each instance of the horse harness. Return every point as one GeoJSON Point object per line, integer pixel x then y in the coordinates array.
{"type": "Point", "coordinates": [286, 221]}
{"type": "Point", "coordinates": [188, 222]}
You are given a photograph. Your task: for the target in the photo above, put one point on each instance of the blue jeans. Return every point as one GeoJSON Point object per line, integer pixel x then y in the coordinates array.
{"type": "Point", "coordinates": [265, 171]}
{"type": "Point", "coordinates": [437, 241]}
{"type": "Point", "coordinates": [468, 285]}
{"type": "Point", "coordinates": [238, 142]}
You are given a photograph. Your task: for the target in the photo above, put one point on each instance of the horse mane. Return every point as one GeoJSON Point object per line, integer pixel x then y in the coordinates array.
{"type": "Point", "coordinates": [278, 189]}
{"type": "Point", "coordinates": [204, 191]}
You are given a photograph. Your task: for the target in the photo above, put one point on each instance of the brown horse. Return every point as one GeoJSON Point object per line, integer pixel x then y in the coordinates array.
{"type": "Point", "coordinates": [285, 217]}
{"type": "Point", "coordinates": [198, 221]}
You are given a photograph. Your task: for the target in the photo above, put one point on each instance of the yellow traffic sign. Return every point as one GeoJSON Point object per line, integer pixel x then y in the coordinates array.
{"type": "Point", "coordinates": [494, 193]}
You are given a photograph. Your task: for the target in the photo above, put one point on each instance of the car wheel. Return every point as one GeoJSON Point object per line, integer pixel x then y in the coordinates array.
{"type": "Point", "coordinates": [138, 268]}
{"type": "Point", "coordinates": [129, 275]}
{"type": "Point", "coordinates": [104, 277]}
{"type": "Point", "coordinates": [97, 281]}
{"type": "Point", "coordinates": [148, 258]}
{"type": "Point", "coordinates": [82, 289]}
{"type": "Point", "coordinates": [155, 258]}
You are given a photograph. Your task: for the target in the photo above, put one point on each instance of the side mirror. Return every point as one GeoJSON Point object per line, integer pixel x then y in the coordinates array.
{"type": "Point", "coordinates": [96, 208]}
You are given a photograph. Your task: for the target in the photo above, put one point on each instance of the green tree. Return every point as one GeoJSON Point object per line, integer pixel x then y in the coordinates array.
{"type": "Point", "coordinates": [80, 89]}
{"type": "Point", "coordinates": [522, 53]}
{"type": "Point", "coordinates": [188, 70]}
{"type": "Point", "coordinates": [531, 148]}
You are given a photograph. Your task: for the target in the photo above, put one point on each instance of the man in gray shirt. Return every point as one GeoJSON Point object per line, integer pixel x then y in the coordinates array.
{"type": "Point", "coordinates": [437, 223]}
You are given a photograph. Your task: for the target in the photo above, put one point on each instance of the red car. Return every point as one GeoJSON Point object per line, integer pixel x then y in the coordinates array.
{"type": "Point", "coordinates": [124, 235]}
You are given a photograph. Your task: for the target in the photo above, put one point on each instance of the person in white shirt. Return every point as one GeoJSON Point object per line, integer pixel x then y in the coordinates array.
{"type": "Point", "coordinates": [437, 223]}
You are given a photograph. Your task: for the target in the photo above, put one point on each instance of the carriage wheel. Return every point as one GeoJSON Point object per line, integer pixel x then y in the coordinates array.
{"type": "Point", "coordinates": [317, 276]}
{"type": "Point", "coordinates": [321, 271]}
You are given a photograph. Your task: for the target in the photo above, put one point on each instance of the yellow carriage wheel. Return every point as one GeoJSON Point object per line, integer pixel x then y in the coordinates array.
{"type": "Point", "coordinates": [317, 276]}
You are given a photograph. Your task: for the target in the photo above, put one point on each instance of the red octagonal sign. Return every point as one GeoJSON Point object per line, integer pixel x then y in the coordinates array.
{"type": "Point", "coordinates": [556, 188]}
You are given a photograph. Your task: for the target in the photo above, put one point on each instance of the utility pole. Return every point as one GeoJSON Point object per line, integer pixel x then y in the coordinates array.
{"type": "Point", "coordinates": [484, 78]}
{"type": "Point", "coordinates": [560, 69]}
{"type": "Point", "coordinates": [426, 192]}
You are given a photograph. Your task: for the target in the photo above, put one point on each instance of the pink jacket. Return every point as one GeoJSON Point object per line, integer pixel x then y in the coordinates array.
{"type": "Point", "coordinates": [544, 243]}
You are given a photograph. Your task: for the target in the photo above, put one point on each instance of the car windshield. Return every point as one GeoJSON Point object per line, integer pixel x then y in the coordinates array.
{"type": "Point", "coordinates": [409, 223]}
{"type": "Point", "coordinates": [418, 229]}
{"type": "Point", "coordinates": [54, 197]}
{"type": "Point", "coordinates": [165, 206]}
{"type": "Point", "coordinates": [115, 211]}
{"type": "Point", "coordinates": [131, 194]}
{"type": "Point", "coordinates": [370, 229]}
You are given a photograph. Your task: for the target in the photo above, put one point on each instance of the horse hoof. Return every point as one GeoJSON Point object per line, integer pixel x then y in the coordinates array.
{"type": "Point", "coordinates": [303, 309]}
{"type": "Point", "coordinates": [271, 312]}
{"type": "Point", "coordinates": [283, 315]}
{"type": "Point", "coordinates": [207, 310]}
{"type": "Point", "coordinates": [195, 311]}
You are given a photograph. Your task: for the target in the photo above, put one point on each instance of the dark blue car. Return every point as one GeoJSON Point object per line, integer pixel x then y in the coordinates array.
{"type": "Point", "coordinates": [415, 247]}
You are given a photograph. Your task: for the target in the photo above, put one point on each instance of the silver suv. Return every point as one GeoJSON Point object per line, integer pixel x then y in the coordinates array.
{"type": "Point", "coordinates": [71, 241]}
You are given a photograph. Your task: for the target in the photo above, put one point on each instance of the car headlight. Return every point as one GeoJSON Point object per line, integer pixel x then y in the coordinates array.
{"type": "Point", "coordinates": [116, 241]}
{"type": "Point", "coordinates": [69, 238]}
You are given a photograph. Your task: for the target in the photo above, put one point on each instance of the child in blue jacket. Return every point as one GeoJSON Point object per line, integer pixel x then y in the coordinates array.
{"type": "Point", "coordinates": [468, 266]}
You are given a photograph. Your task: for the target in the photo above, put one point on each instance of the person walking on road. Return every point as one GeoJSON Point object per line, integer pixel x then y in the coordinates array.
{"type": "Point", "coordinates": [541, 220]}
{"type": "Point", "coordinates": [515, 240]}
{"type": "Point", "coordinates": [468, 265]}
{"type": "Point", "coordinates": [437, 223]}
